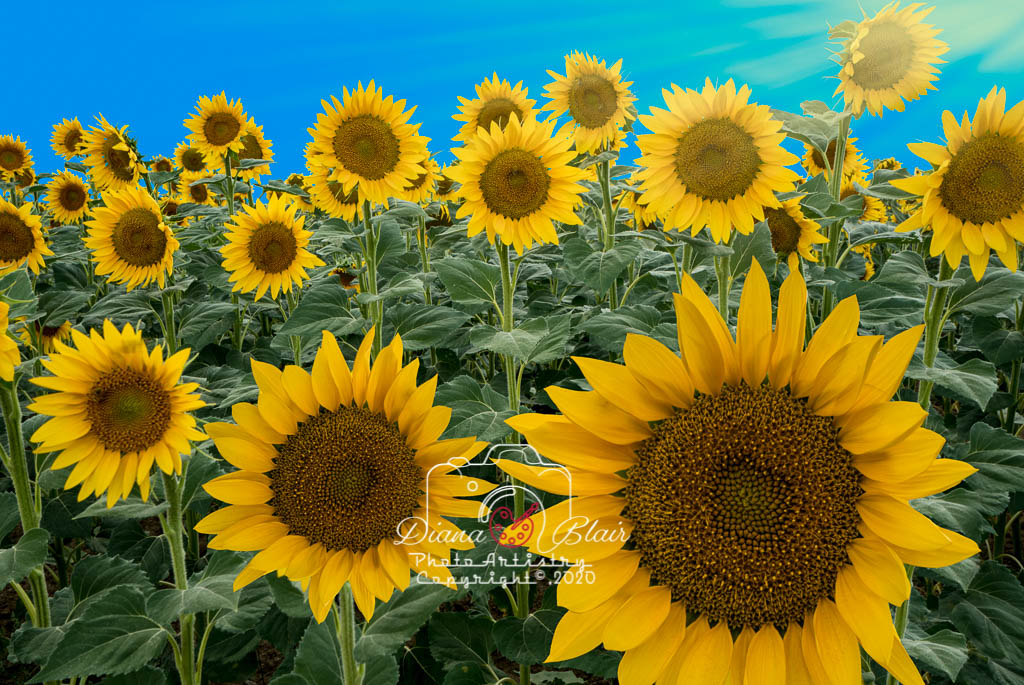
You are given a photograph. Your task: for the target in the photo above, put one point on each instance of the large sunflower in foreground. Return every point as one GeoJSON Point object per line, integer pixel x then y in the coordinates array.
{"type": "Point", "coordinates": [117, 408]}
{"type": "Point", "coordinates": [853, 160]}
{"type": "Point", "coordinates": [67, 198]}
{"type": "Point", "coordinates": [9, 355]}
{"type": "Point", "coordinates": [332, 466]}
{"type": "Point", "coordinates": [266, 248]}
{"type": "Point", "coordinates": [112, 163]}
{"type": "Point", "coordinates": [974, 199]}
{"type": "Point", "coordinates": [21, 238]}
{"type": "Point", "coordinates": [496, 100]}
{"type": "Point", "coordinates": [516, 182]}
{"type": "Point", "coordinates": [188, 158]}
{"type": "Point", "coordinates": [67, 136]}
{"type": "Point", "coordinates": [129, 239]}
{"type": "Point", "coordinates": [890, 59]}
{"type": "Point", "coordinates": [793, 234]}
{"type": "Point", "coordinates": [596, 98]}
{"type": "Point", "coordinates": [366, 140]}
{"type": "Point", "coordinates": [763, 489]}
{"type": "Point", "coordinates": [217, 126]}
{"type": "Point", "coordinates": [713, 159]}
{"type": "Point", "coordinates": [14, 157]}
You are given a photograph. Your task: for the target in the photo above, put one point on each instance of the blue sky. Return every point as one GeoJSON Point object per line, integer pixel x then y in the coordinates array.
{"type": "Point", "coordinates": [146, 64]}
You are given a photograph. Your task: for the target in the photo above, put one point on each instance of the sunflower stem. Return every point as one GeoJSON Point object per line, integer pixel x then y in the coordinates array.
{"type": "Point", "coordinates": [608, 239]}
{"type": "Point", "coordinates": [345, 630]}
{"type": "Point", "coordinates": [901, 619]}
{"type": "Point", "coordinates": [834, 169]}
{"type": "Point", "coordinates": [170, 331]}
{"type": "Point", "coordinates": [229, 184]}
{"type": "Point", "coordinates": [934, 319]}
{"type": "Point", "coordinates": [172, 525]}
{"type": "Point", "coordinates": [421, 243]}
{"type": "Point", "coordinates": [375, 308]}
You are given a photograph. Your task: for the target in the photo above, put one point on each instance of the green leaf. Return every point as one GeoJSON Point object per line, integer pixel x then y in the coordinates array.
{"type": "Point", "coordinates": [208, 594]}
{"type": "Point", "coordinates": [400, 285]}
{"type": "Point", "coordinates": [527, 641]}
{"type": "Point", "coordinates": [144, 676]}
{"type": "Point", "coordinates": [609, 329]}
{"type": "Point", "coordinates": [961, 573]}
{"type": "Point", "coordinates": [476, 409]}
{"type": "Point", "coordinates": [381, 670]}
{"type": "Point", "coordinates": [468, 280]}
{"type": "Point", "coordinates": [403, 209]}
{"type": "Point", "coordinates": [997, 292]}
{"type": "Point", "coordinates": [322, 307]}
{"type": "Point", "coordinates": [999, 458]}
{"type": "Point", "coordinates": [205, 322]}
{"type": "Point", "coordinates": [999, 345]}
{"type": "Point", "coordinates": [62, 305]}
{"type": "Point", "coordinates": [974, 380]}
{"type": "Point", "coordinates": [811, 130]}
{"type": "Point", "coordinates": [288, 597]}
{"type": "Point", "coordinates": [943, 652]}
{"type": "Point", "coordinates": [318, 658]}
{"type": "Point", "coordinates": [398, 620]}
{"type": "Point", "coordinates": [964, 510]}
{"type": "Point", "coordinates": [9, 515]}
{"type": "Point", "coordinates": [246, 163]}
{"type": "Point", "coordinates": [18, 561]}
{"type": "Point", "coordinates": [131, 508]}
{"type": "Point", "coordinates": [423, 325]}
{"type": "Point", "coordinates": [755, 245]}
{"type": "Point", "coordinates": [991, 613]}
{"type": "Point", "coordinates": [461, 637]}
{"type": "Point", "coordinates": [468, 673]}
{"type": "Point", "coordinates": [598, 269]}
{"type": "Point", "coordinates": [518, 342]}
{"type": "Point", "coordinates": [95, 575]}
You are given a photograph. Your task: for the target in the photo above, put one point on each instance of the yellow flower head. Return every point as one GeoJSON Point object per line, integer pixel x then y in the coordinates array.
{"type": "Point", "coordinates": [21, 238]}
{"type": "Point", "coordinates": [67, 138]}
{"type": "Point", "coordinates": [496, 100]}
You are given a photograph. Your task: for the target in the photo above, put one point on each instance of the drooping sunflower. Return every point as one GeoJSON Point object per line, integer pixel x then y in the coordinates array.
{"type": "Point", "coordinates": [254, 146]}
{"type": "Point", "coordinates": [9, 355]}
{"type": "Point", "coordinates": [889, 60]}
{"type": "Point", "coordinates": [45, 335]}
{"type": "Point", "coordinates": [199, 193]}
{"type": "Point", "coordinates": [713, 159]}
{"type": "Point", "coordinates": [113, 164]}
{"type": "Point", "coordinates": [421, 188]}
{"type": "Point", "coordinates": [340, 473]}
{"type": "Point", "coordinates": [366, 140]}
{"type": "Point", "coordinates": [67, 137]}
{"type": "Point", "coordinates": [266, 248]}
{"type": "Point", "coordinates": [853, 160]}
{"type": "Point", "coordinates": [762, 488]}
{"type": "Point", "coordinates": [793, 234]}
{"type": "Point", "coordinates": [974, 199]}
{"type": "Point", "coordinates": [21, 238]}
{"type": "Point", "coordinates": [217, 126]}
{"type": "Point", "coordinates": [516, 182]}
{"type": "Point", "coordinates": [874, 208]}
{"type": "Point", "coordinates": [188, 158]}
{"type": "Point", "coordinates": [129, 239]}
{"type": "Point", "coordinates": [496, 100]}
{"type": "Point", "coordinates": [15, 157]}
{"type": "Point", "coordinates": [117, 408]}
{"type": "Point", "coordinates": [67, 198]}
{"type": "Point", "coordinates": [596, 98]}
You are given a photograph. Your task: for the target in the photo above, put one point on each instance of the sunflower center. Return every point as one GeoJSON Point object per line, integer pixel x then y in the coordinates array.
{"type": "Point", "coordinates": [345, 479]}
{"type": "Point", "coordinates": [128, 410]}
{"type": "Point", "coordinates": [72, 197]}
{"type": "Point", "coordinates": [272, 247]}
{"type": "Point", "coordinates": [198, 192]}
{"type": "Point", "coordinates": [250, 148]}
{"type": "Point", "coordinates": [118, 161]}
{"type": "Point", "coordinates": [16, 239]}
{"type": "Point", "coordinates": [499, 110]}
{"type": "Point", "coordinates": [592, 100]}
{"type": "Point", "coordinates": [784, 229]}
{"type": "Point", "coordinates": [888, 55]}
{"type": "Point", "coordinates": [221, 128]}
{"type": "Point", "coordinates": [716, 159]}
{"type": "Point", "coordinates": [71, 140]}
{"type": "Point", "coordinates": [163, 165]}
{"type": "Point", "coordinates": [515, 183]}
{"type": "Point", "coordinates": [10, 159]}
{"type": "Point", "coordinates": [49, 331]}
{"type": "Point", "coordinates": [193, 160]}
{"type": "Point", "coordinates": [985, 180]}
{"type": "Point", "coordinates": [170, 208]}
{"type": "Point", "coordinates": [743, 506]}
{"type": "Point", "coordinates": [366, 146]}
{"type": "Point", "coordinates": [417, 182]}
{"type": "Point", "coordinates": [138, 239]}
{"type": "Point", "coordinates": [830, 151]}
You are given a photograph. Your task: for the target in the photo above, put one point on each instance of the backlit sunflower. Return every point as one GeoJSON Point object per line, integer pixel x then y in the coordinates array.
{"type": "Point", "coordinates": [516, 182]}
{"type": "Point", "coordinates": [496, 100]}
{"type": "Point", "coordinates": [112, 163]}
{"type": "Point", "coordinates": [596, 98]}
{"type": "Point", "coordinates": [67, 137]}
{"type": "Point", "coordinates": [333, 467]}
{"type": "Point", "coordinates": [793, 234]}
{"type": "Point", "coordinates": [853, 160]}
{"type": "Point", "coordinates": [9, 355]}
{"type": "Point", "coordinates": [713, 159]}
{"type": "Point", "coordinates": [67, 198]}
{"type": "Point", "coordinates": [366, 140]}
{"type": "Point", "coordinates": [217, 126]}
{"type": "Point", "coordinates": [891, 59]}
{"type": "Point", "coordinates": [974, 199]}
{"type": "Point", "coordinates": [421, 188]}
{"type": "Point", "coordinates": [14, 157]}
{"type": "Point", "coordinates": [762, 487]}
{"type": "Point", "coordinates": [266, 248]}
{"type": "Point", "coordinates": [254, 146]}
{"type": "Point", "coordinates": [199, 193]}
{"type": "Point", "coordinates": [117, 409]}
{"type": "Point", "coordinates": [45, 336]}
{"type": "Point", "coordinates": [129, 239]}
{"type": "Point", "coordinates": [188, 158]}
{"type": "Point", "coordinates": [21, 238]}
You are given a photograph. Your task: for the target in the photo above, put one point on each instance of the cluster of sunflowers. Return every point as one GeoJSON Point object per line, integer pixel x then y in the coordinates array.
{"type": "Point", "coordinates": [762, 478]}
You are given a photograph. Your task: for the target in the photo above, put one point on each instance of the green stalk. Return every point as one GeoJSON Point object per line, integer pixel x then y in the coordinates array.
{"type": "Point", "coordinates": [934, 319]}
{"type": "Point", "coordinates": [170, 329]}
{"type": "Point", "coordinates": [292, 296]}
{"type": "Point", "coordinates": [345, 630]}
{"type": "Point", "coordinates": [834, 169]}
{"type": "Point", "coordinates": [370, 257]}
{"type": "Point", "coordinates": [229, 185]}
{"type": "Point", "coordinates": [608, 235]}
{"type": "Point", "coordinates": [724, 278]}
{"type": "Point", "coordinates": [421, 243]}
{"type": "Point", "coordinates": [172, 525]}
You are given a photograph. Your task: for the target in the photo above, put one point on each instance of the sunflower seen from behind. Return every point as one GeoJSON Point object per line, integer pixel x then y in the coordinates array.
{"type": "Point", "coordinates": [217, 126]}
{"type": "Point", "coordinates": [21, 238]}
{"type": "Point", "coordinates": [67, 138]}
{"type": "Point", "coordinates": [331, 465]}
{"type": "Point", "coordinates": [117, 409]}
{"type": "Point", "coordinates": [112, 163]}
{"type": "Point", "coordinates": [713, 159]}
{"type": "Point", "coordinates": [129, 240]}
{"type": "Point", "coordinates": [15, 157]}
{"type": "Point", "coordinates": [496, 101]}
{"type": "Point", "coordinates": [67, 198]}
{"type": "Point", "coordinates": [763, 486]}
{"type": "Point", "coordinates": [974, 199]}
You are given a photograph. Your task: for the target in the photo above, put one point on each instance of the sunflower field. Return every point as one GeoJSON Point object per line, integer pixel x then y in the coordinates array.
{"type": "Point", "coordinates": [722, 414]}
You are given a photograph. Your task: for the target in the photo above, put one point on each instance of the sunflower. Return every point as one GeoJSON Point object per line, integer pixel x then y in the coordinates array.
{"type": "Point", "coordinates": [161, 164]}
{"type": "Point", "coordinates": [889, 163]}
{"type": "Point", "coordinates": [348, 275]}
{"type": "Point", "coordinates": [643, 217]}
{"type": "Point", "coordinates": [889, 60]}
{"type": "Point", "coordinates": [874, 208]}
{"type": "Point", "coordinates": [118, 408]}
{"type": "Point", "coordinates": [266, 248]}
{"type": "Point", "coordinates": [974, 199]}
{"type": "Point", "coordinates": [853, 160]}
{"type": "Point", "coordinates": [745, 501]}
{"type": "Point", "coordinates": [129, 239]}
{"type": "Point", "coordinates": [447, 189]}
{"type": "Point", "coordinates": [333, 467]}
{"type": "Point", "coordinates": [496, 100]}
{"type": "Point", "coordinates": [113, 164]}
{"type": "Point", "coordinates": [298, 181]}
{"type": "Point", "coordinates": [596, 98]}
{"type": "Point", "coordinates": [713, 159]}
{"type": "Point", "coordinates": [15, 157]}
{"type": "Point", "coordinates": [792, 232]}
{"type": "Point", "coordinates": [331, 197]}
{"type": "Point", "coordinates": [516, 182]}
{"type": "Point", "coordinates": [199, 193]}
{"type": "Point", "coordinates": [9, 355]}
{"type": "Point", "coordinates": [67, 137]}
{"type": "Point", "coordinates": [421, 188]}
{"type": "Point", "coordinates": [45, 335]}
{"type": "Point", "coordinates": [217, 126]}
{"type": "Point", "coordinates": [21, 238]}
{"type": "Point", "coordinates": [67, 198]}
{"type": "Point", "coordinates": [188, 158]}
{"type": "Point", "coordinates": [169, 208]}
{"type": "Point", "coordinates": [254, 146]}
{"type": "Point", "coordinates": [367, 140]}
{"type": "Point", "coordinates": [24, 178]}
